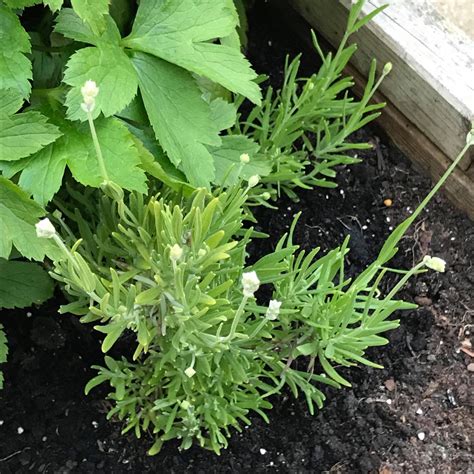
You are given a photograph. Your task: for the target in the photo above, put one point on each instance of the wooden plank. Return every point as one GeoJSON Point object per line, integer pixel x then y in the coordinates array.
{"type": "Point", "coordinates": [431, 81]}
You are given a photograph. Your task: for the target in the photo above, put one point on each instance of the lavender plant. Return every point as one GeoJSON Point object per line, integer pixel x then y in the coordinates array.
{"type": "Point", "coordinates": [168, 276]}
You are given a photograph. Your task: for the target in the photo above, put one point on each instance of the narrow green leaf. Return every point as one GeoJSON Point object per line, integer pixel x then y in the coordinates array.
{"type": "Point", "coordinates": [94, 382]}
{"type": "Point", "coordinates": [113, 331]}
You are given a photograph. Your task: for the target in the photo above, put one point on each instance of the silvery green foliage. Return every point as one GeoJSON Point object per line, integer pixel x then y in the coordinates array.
{"type": "Point", "coordinates": [194, 351]}
{"type": "Point", "coordinates": [304, 128]}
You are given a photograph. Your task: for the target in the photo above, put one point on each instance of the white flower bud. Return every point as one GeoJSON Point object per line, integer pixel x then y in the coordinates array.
{"type": "Point", "coordinates": [45, 229]}
{"type": "Point", "coordinates": [387, 68]}
{"type": "Point", "coordinates": [273, 310]}
{"type": "Point", "coordinates": [250, 283]}
{"type": "Point", "coordinates": [176, 252]}
{"type": "Point", "coordinates": [189, 372]}
{"type": "Point", "coordinates": [435, 263]}
{"type": "Point", "coordinates": [266, 195]}
{"type": "Point", "coordinates": [89, 92]}
{"type": "Point", "coordinates": [254, 180]}
{"type": "Point", "coordinates": [89, 89]}
{"type": "Point", "coordinates": [244, 158]}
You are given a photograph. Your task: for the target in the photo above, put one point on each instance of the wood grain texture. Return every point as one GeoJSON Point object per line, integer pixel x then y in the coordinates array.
{"type": "Point", "coordinates": [431, 82]}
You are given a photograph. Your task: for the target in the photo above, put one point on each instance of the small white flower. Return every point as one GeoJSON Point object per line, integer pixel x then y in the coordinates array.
{"type": "Point", "coordinates": [176, 252]}
{"type": "Point", "coordinates": [254, 180]}
{"type": "Point", "coordinates": [244, 158]}
{"type": "Point", "coordinates": [273, 310]}
{"type": "Point", "coordinates": [89, 92]}
{"type": "Point", "coordinates": [89, 89]}
{"type": "Point", "coordinates": [189, 372]}
{"type": "Point", "coordinates": [45, 229]}
{"type": "Point", "coordinates": [435, 263]}
{"type": "Point", "coordinates": [250, 283]}
{"type": "Point", "coordinates": [387, 68]}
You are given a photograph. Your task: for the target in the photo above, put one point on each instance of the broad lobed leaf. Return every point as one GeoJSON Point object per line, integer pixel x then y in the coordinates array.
{"type": "Point", "coordinates": [179, 31]}
{"type": "Point", "coordinates": [111, 69]}
{"type": "Point", "coordinates": [93, 12]}
{"type": "Point", "coordinates": [24, 134]}
{"type": "Point", "coordinates": [181, 119]}
{"type": "Point", "coordinates": [18, 216]}
{"type": "Point", "coordinates": [23, 284]}
{"type": "Point", "coordinates": [15, 67]}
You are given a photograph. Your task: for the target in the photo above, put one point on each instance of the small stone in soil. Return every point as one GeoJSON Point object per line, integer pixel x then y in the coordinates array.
{"type": "Point", "coordinates": [421, 436]}
{"type": "Point", "coordinates": [423, 300]}
{"type": "Point", "coordinates": [263, 451]}
{"type": "Point", "coordinates": [419, 411]}
{"type": "Point", "coordinates": [470, 367]}
{"type": "Point", "coordinates": [20, 430]}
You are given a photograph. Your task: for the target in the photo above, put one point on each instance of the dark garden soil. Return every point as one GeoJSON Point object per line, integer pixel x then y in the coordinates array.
{"type": "Point", "coordinates": [413, 416]}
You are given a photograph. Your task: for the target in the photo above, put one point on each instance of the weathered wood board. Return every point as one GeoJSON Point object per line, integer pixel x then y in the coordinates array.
{"type": "Point", "coordinates": [432, 81]}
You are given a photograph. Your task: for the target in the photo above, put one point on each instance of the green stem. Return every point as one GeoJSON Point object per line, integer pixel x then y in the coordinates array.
{"type": "Point", "coordinates": [403, 280]}
{"type": "Point", "coordinates": [66, 251]}
{"type": "Point", "coordinates": [100, 157]}
{"type": "Point", "coordinates": [260, 326]}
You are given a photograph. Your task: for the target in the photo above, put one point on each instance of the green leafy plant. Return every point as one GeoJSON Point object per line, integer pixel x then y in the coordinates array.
{"type": "Point", "coordinates": [153, 78]}
{"type": "Point", "coordinates": [304, 128]}
{"type": "Point", "coordinates": [160, 265]}
{"type": "Point", "coordinates": [169, 275]}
